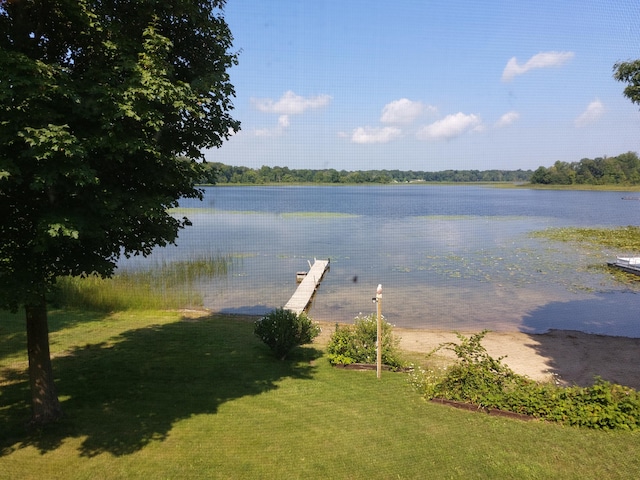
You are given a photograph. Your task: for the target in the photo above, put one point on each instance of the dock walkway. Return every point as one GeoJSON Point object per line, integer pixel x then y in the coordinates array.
{"type": "Point", "coordinates": [302, 296]}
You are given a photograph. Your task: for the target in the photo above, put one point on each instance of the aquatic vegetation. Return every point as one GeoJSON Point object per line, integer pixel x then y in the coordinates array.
{"type": "Point", "coordinates": [621, 238]}
{"type": "Point", "coordinates": [600, 243]}
{"type": "Point", "coordinates": [524, 266]}
{"type": "Point", "coordinates": [492, 218]}
{"type": "Point", "coordinates": [160, 286]}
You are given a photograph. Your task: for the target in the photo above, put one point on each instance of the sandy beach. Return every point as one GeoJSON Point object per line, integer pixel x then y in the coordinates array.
{"type": "Point", "coordinates": [566, 356]}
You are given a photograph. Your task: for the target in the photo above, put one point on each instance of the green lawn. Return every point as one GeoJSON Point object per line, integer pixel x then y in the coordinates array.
{"type": "Point", "coordinates": [152, 395]}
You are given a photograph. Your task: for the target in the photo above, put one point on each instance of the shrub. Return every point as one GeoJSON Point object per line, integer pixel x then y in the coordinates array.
{"type": "Point", "coordinates": [283, 330]}
{"type": "Point", "coordinates": [357, 343]}
{"type": "Point", "coordinates": [478, 378]}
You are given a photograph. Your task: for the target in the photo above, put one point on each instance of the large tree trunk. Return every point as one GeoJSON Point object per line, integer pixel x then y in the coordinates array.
{"type": "Point", "coordinates": [45, 407]}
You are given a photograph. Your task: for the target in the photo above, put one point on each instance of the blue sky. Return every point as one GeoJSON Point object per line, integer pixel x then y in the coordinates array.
{"type": "Point", "coordinates": [430, 85]}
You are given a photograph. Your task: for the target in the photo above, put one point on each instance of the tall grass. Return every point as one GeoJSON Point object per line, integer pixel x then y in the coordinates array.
{"type": "Point", "coordinates": [163, 286]}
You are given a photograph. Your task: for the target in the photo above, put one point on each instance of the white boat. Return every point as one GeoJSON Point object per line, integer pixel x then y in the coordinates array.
{"type": "Point", "coordinates": [628, 264]}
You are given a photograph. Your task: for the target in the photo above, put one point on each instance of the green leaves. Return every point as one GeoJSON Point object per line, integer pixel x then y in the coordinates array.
{"type": "Point", "coordinates": [45, 142]}
{"type": "Point", "coordinates": [62, 230]}
{"type": "Point", "coordinates": [283, 330]}
{"type": "Point", "coordinates": [357, 343]}
{"type": "Point", "coordinates": [98, 100]}
{"type": "Point", "coordinates": [629, 72]}
{"type": "Point", "coordinates": [482, 380]}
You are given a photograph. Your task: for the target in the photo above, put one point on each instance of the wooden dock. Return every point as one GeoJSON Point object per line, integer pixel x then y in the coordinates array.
{"type": "Point", "coordinates": [302, 296]}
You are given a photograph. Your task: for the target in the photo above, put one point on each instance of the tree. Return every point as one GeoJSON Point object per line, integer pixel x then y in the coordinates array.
{"type": "Point", "coordinates": [98, 100]}
{"type": "Point", "coordinates": [630, 164]}
{"type": "Point", "coordinates": [629, 72]}
{"type": "Point", "coordinates": [541, 176]}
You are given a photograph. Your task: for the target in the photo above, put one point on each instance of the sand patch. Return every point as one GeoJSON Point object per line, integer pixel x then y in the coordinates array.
{"type": "Point", "coordinates": [566, 356]}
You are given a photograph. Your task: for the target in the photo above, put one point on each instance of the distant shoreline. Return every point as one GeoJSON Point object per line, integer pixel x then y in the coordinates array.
{"type": "Point", "coordinates": [515, 185]}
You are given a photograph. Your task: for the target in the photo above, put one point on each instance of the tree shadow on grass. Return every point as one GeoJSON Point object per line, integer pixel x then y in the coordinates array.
{"type": "Point", "coordinates": [13, 330]}
{"type": "Point", "coordinates": [13, 333]}
{"type": "Point", "coordinates": [121, 395]}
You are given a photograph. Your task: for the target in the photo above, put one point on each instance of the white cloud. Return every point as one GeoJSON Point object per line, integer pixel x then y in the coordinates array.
{"type": "Point", "coordinates": [593, 112]}
{"type": "Point", "coordinates": [541, 60]}
{"type": "Point", "coordinates": [283, 124]}
{"type": "Point", "coordinates": [290, 103]}
{"type": "Point", "coordinates": [451, 126]}
{"type": "Point", "coordinates": [267, 132]}
{"type": "Point", "coordinates": [507, 119]}
{"type": "Point", "coordinates": [283, 121]}
{"type": "Point", "coordinates": [403, 111]}
{"type": "Point", "coordinates": [375, 135]}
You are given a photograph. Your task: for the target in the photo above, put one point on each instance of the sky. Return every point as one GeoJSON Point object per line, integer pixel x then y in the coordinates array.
{"type": "Point", "coordinates": [430, 85]}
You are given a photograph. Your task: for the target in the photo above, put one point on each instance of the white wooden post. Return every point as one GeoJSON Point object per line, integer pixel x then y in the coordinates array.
{"type": "Point", "coordinates": [379, 330]}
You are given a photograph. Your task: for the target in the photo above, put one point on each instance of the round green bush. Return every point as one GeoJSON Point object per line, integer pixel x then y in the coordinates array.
{"type": "Point", "coordinates": [283, 330]}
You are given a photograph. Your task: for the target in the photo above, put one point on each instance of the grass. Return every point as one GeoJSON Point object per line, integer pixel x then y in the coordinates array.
{"type": "Point", "coordinates": [151, 394]}
{"type": "Point", "coordinates": [163, 286]}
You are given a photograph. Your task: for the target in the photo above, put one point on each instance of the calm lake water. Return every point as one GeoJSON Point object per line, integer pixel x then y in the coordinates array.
{"type": "Point", "coordinates": [448, 257]}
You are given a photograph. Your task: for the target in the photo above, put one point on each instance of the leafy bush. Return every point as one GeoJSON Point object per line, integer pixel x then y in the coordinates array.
{"type": "Point", "coordinates": [283, 330]}
{"type": "Point", "coordinates": [478, 378]}
{"type": "Point", "coordinates": [357, 343]}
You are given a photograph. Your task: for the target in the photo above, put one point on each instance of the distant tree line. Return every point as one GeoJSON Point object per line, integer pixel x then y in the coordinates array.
{"type": "Point", "coordinates": [222, 174]}
{"type": "Point", "coordinates": [621, 170]}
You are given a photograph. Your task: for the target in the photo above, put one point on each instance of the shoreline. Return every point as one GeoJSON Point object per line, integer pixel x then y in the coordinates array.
{"type": "Point", "coordinates": [566, 357]}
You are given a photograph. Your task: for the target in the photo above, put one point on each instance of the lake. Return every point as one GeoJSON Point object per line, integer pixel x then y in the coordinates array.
{"type": "Point", "coordinates": [448, 257]}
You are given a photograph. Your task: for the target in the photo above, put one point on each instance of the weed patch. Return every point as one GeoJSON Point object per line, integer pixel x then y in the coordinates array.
{"type": "Point", "coordinates": [479, 379]}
